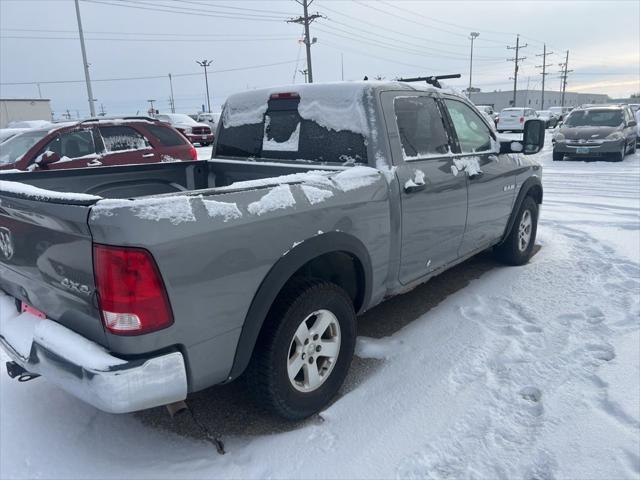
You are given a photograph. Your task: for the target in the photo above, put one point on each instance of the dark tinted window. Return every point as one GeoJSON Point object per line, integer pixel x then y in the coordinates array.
{"type": "Point", "coordinates": [473, 134]}
{"type": "Point", "coordinates": [283, 134]}
{"type": "Point", "coordinates": [420, 126]}
{"type": "Point", "coordinates": [119, 138]}
{"type": "Point", "coordinates": [166, 136]}
{"type": "Point", "coordinates": [73, 144]}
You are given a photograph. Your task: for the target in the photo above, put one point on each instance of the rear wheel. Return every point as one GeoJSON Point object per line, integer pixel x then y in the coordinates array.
{"type": "Point", "coordinates": [304, 350]}
{"type": "Point", "coordinates": [557, 156]}
{"type": "Point", "coordinates": [517, 248]}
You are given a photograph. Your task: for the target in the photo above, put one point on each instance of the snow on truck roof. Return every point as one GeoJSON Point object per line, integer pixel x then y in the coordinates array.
{"type": "Point", "coordinates": [334, 105]}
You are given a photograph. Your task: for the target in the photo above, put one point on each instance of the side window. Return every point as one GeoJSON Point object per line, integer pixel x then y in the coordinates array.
{"type": "Point", "coordinates": [166, 136]}
{"type": "Point", "coordinates": [72, 144]}
{"type": "Point", "coordinates": [118, 139]}
{"type": "Point", "coordinates": [421, 127]}
{"type": "Point", "coordinates": [473, 134]}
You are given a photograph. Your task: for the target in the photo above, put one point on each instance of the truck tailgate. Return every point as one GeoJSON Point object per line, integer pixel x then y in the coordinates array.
{"type": "Point", "coordinates": [46, 259]}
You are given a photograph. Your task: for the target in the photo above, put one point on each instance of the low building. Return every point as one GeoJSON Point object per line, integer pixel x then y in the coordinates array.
{"type": "Point", "coordinates": [533, 99]}
{"type": "Point", "coordinates": [16, 109]}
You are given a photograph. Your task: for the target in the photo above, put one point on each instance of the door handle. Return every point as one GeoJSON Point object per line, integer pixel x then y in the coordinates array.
{"type": "Point", "coordinates": [147, 155]}
{"type": "Point", "coordinates": [414, 188]}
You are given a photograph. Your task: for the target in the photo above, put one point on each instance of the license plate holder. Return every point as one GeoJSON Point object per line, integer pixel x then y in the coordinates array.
{"type": "Point", "coordinates": [26, 308]}
{"type": "Point", "coordinates": [582, 150]}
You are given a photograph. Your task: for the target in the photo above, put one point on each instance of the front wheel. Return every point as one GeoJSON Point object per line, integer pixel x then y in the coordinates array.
{"type": "Point", "coordinates": [618, 157]}
{"type": "Point", "coordinates": [304, 350]}
{"type": "Point", "coordinates": [557, 156]}
{"type": "Point", "coordinates": [517, 248]}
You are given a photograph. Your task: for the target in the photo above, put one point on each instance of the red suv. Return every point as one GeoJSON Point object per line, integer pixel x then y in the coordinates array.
{"type": "Point", "coordinates": [95, 142]}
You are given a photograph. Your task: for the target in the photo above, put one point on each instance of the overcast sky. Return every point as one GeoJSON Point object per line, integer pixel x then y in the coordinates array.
{"type": "Point", "coordinates": [252, 45]}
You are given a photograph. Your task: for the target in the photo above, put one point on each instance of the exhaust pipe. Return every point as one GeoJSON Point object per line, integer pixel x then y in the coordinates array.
{"type": "Point", "coordinates": [15, 370]}
{"type": "Point", "coordinates": [177, 408]}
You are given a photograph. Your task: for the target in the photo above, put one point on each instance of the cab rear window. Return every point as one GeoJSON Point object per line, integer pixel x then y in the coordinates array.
{"type": "Point", "coordinates": [284, 135]}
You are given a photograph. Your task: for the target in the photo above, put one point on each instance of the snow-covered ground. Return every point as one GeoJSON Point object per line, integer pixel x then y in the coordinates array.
{"type": "Point", "coordinates": [528, 372]}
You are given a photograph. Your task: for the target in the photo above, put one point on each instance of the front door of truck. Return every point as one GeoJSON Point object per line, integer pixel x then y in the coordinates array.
{"type": "Point", "coordinates": [491, 176]}
{"type": "Point", "coordinates": [433, 199]}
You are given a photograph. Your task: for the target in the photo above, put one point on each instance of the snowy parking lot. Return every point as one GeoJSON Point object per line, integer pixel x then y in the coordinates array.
{"type": "Point", "coordinates": [486, 371]}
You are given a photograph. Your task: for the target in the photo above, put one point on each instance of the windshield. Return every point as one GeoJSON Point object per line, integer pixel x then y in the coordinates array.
{"type": "Point", "coordinates": [284, 135]}
{"type": "Point", "coordinates": [14, 148]}
{"type": "Point", "coordinates": [595, 118]}
{"type": "Point", "coordinates": [177, 118]}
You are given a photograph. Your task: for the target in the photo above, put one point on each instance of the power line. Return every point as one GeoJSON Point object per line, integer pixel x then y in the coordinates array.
{"type": "Point", "coordinates": [220, 40]}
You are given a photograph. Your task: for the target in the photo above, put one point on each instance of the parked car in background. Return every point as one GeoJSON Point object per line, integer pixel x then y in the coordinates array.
{"type": "Point", "coordinates": [210, 118]}
{"type": "Point", "coordinates": [513, 119]}
{"type": "Point", "coordinates": [560, 112]}
{"type": "Point", "coordinates": [95, 142]}
{"type": "Point", "coordinates": [29, 124]}
{"type": "Point", "coordinates": [550, 118]}
{"type": "Point", "coordinates": [488, 109]}
{"type": "Point", "coordinates": [601, 132]}
{"type": "Point", "coordinates": [196, 132]}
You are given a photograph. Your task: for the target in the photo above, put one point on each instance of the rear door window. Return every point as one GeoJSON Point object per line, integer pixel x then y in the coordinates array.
{"type": "Point", "coordinates": [473, 134]}
{"type": "Point", "coordinates": [421, 128]}
{"type": "Point", "coordinates": [121, 138]}
{"type": "Point", "coordinates": [166, 136]}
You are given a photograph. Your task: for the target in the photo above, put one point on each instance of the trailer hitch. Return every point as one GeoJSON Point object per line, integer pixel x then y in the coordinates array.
{"type": "Point", "coordinates": [14, 370]}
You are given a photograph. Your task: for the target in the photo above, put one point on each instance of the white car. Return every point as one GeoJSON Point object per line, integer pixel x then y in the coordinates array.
{"type": "Point", "coordinates": [513, 119]}
{"type": "Point", "coordinates": [210, 118]}
{"type": "Point", "coordinates": [560, 112]}
{"type": "Point", "coordinates": [550, 119]}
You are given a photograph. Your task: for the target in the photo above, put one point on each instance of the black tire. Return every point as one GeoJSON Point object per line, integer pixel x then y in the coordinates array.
{"type": "Point", "coordinates": [510, 251]}
{"type": "Point", "coordinates": [634, 147]}
{"type": "Point", "coordinates": [557, 156]}
{"type": "Point", "coordinates": [619, 157]}
{"type": "Point", "coordinates": [267, 375]}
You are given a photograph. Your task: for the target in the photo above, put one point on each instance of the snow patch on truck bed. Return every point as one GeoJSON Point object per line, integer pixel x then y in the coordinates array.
{"type": "Point", "coordinates": [228, 210]}
{"type": "Point", "coordinates": [278, 198]}
{"type": "Point", "coordinates": [177, 209]}
{"type": "Point", "coordinates": [36, 193]}
{"type": "Point", "coordinates": [316, 195]}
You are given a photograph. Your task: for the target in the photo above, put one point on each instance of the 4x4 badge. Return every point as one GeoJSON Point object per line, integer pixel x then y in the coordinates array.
{"type": "Point", "coordinates": [6, 243]}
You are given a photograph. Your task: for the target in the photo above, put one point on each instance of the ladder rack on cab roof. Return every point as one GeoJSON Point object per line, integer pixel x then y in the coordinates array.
{"type": "Point", "coordinates": [432, 80]}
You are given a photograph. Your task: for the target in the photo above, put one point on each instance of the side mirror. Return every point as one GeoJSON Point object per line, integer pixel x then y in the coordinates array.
{"type": "Point", "coordinates": [533, 137]}
{"type": "Point", "coordinates": [47, 158]}
{"type": "Point", "coordinates": [632, 123]}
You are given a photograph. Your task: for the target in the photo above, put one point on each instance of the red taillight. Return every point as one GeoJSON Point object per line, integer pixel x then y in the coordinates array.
{"type": "Point", "coordinates": [521, 119]}
{"type": "Point", "coordinates": [131, 294]}
{"type": "Point", "coordinates": [277, 96]}
{"type": "Point", "coordinates": [193, 152]}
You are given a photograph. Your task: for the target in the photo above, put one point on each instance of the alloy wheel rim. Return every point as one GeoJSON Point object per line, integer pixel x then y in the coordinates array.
{"type": "Point", "coordinates": [524, 231]}
{"type": "Point", "coordinates": [313, 351]}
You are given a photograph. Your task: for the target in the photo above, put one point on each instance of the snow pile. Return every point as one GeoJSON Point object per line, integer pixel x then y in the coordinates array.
{"type": "Point", "coordinates": [176, 209]}
{"type": "Point", "coordinates": [316, 195]}
{"type": "Point", "coordinates": [471, 165]}
{"type": "Point", "coordinates": [20, 330]}
{"type": "Point", "coordinates": [356, 177]}
{"type": "Point", "coordinates": [279, 197]}
{"type": "Point", "coordinates": [226, 210]}
{"type": "Point", "coordinates": [36, 193]}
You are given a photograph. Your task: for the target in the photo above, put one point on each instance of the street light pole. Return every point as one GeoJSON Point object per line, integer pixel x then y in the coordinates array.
{"type": "Point", "coordinates": [472, 37]}
{"type": "Point", "coordinates": [92, 108]}
{"type": "Point", "coordinates": [205, 64]}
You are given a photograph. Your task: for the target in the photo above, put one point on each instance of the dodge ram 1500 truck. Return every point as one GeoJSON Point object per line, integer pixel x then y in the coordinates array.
{"type": "Point", "coordinates": [141, 284]}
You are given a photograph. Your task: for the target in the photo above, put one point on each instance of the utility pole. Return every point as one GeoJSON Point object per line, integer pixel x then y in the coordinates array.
{"type": "Point", "coordinates": [306, 20]}
{"type": "Point", "coordinates": [544, 71]}
{"type": "Point", "coordinates": [102, 110]}
{"type": "Point", "coordinates": [151, 109]}
{"type": "Point", "coordinates": [516, 67]}
{"type": "Point", "coordinates": [172, 103]}
{"type": "Point", "coordinates": [564, 73]}
{"type": "Point", "coordinates": [305, 73]}
{"type": "Point", "coordinates": [472, 37]}
{"type": "Point", "coordinates": [205, 64]}
{"type": "Point", "coordinates": [92, 109]}
{"type": "Point", "coordinates": [342, 67]}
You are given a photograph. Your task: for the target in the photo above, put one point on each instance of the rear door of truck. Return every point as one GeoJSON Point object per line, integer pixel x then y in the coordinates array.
{"type": "Point", "coordinates": [46, 255]}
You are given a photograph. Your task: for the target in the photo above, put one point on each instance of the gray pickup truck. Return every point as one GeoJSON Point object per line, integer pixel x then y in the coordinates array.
{"type": "Point", "coordinates": [141, 284]}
